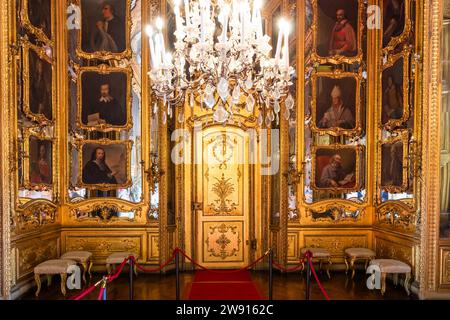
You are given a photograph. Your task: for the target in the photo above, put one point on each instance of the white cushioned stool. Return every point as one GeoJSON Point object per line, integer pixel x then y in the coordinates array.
{"type": "Point", "coordinates": [51, 267]}
{"type": "Point", "coordinates": [118, 257]}
{"type": "Point", "coordinates": [354, 254]}
{"type": "Point", "coordinates": [82, 257]}
{"type": "Point", "coordinates": [395, 267]}
{"type": "Point", "coordinates": [320, 255]}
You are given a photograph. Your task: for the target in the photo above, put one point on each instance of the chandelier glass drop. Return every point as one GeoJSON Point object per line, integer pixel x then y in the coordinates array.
{"type": "Point", "coordinates": [223, 61]}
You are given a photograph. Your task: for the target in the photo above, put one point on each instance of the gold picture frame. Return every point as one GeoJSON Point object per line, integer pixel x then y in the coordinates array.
{"type": "Point", "coordinates": [337, 59]}
{"type": "Point", "coordinates": [336, 148]}
{"type": "Point", "coordinates": [391, 124]}
{"type": "Point", "coordinates": [40, 52]}
{"type": "Point", "coordinates": [395, 41]}
{"type": "Point", "coordinates": [40, 136]}
{"type": "Point", "coordinates": [400, 136]}
{"type": "Point", "coordinates": [104, 69]}
{"type": "Point", "coordinates": [106, 55]}
{"type": "Point", "coordinates": [103, 143]}
{"type": "Point", "coordinates": [37, 32]}
{"type": "Point", "coordinates": [336, 75]}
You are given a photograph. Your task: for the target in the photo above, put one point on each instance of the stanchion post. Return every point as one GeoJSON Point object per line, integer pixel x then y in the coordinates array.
{"type": "Point", "coordinates": [177, 273]}
{"type": "Point", "coordinates": [308, 274]}
{"type": "Point", "coordinates": [131, 289]}
{"type": "Point", "coordinates": [270, 274]}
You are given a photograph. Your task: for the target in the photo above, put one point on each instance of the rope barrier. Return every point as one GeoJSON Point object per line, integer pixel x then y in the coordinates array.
{"type": "Point", "coordinates": [116, 272]}
{"type": "Point", "coordinates": [309, 257]}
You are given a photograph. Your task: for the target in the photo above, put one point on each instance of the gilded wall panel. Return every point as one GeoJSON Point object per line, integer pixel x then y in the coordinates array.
{"type": "Point", "coordinates": [335, 242]}
{"type": "Point", "coordinates": [445, 267]}
{"type": "Point", "coordinates": [391, 247]}
{"type": "Point", "coordinates": [102, 244]}
{"type": "Point", "coordinates": [153, 247]}
{"type": "Point", "coordinates": [293, 249]}
{"type": "Point", "coordinates": [33, 251]}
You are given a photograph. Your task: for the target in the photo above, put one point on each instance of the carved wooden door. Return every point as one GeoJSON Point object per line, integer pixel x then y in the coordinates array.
{"type": "Point", "coordinates": [222, 197]}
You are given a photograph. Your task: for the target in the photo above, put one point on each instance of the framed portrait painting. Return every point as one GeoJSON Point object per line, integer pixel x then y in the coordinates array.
{"type": "Point", "coordinates": [104, 99]}
{"type": "Point", "coordinates": [337, 31]}
{"type": "Point", "coordinates": [396, 22]}
{"type": "Point", "coordinates": [36, 16]}
{"type": "Point", "coordinates": [104, 164]}
{"type": "Point", "coordinates": [38, 83]}
{"type": "Point", "coordinates": [335, 103]}
{"type": "Point", "coordinates": [39, 162]}
{"type": "Point", "coordinates": [336, 168]}
{"type": "Point", "coordinates": [394, 163]}
{"type": "Point", "coordinates": [105, 29]}
{"type": "Point", "coordinates": [395, 91]}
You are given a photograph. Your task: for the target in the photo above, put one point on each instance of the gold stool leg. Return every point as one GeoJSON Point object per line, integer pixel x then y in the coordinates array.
{"type": "Point", "coordinates": [352, 265]}
{"type": "Point", "coordinates": [89, 269]}
{"type": "Point", "coordinates": [406, 284]}
{"type": "Point", "coordinates": [49, 280]}
{"type": "Point", "coordinates": [346, 264]}
{"type": "Point", "coordinates": [37, 278]}
{"type": "Point", "coordinates": [383, 283]}
{"type": "Point", "coordinates": [328, 267]}
{"type": "Point", "coordinates": [135, 269]}
{"type": "Point", "coordinates": [84, 265]}
{"type": "Point", "coordinates": [320, 265]}
{"type": "Point", "coordinates": [63, 283]}
{"type": "Point", "coordinates": [303, 267]}
{"type": "Point", "coordinates": [366, 264]}
{"type": "Point", "coordinates": [395, 279]}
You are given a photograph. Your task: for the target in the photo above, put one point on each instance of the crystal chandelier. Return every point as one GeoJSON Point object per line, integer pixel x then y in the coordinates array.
{"type": "Point", "coordinates": [222, 60]}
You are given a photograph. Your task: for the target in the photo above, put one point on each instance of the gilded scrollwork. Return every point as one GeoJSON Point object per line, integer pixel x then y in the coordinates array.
{"type": "Point", "coordinates": [397, 215]}
{"type": "Point", "coordinates": [104, 212]}
{"type": "Point", "coordinates": [34, 215]}
{"type": "Point", "coordinates": [36, 31]}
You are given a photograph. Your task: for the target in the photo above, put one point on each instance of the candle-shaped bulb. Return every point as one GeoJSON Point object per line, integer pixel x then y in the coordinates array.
{"type": "Point", "coordinates": [159, 23]}
{"type": "Point", "coordinates": [149, 30]}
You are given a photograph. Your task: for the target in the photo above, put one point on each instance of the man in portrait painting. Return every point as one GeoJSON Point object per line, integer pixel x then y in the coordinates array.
{"type": "Point", "coordinates": [333, 174]}
{"type": "Point", "coordinates": [392, 101]}
{"type": "Point", "coordinates": [393, 164]}
{"type": "Point", "coordinates": [96, 171]}
{"type": "Point", "coordinates": [40, 172]}
{"type": "Point", "coordinates": [106, 108]}
{"type": "Point", "coordinates": [109, 33]}
{"type": "Point", "coordinates": [394, 19]}
{"type": "Point", "coordinates": [39, 14]}
{"type": "Point", "coordinates": [40, 86]}
{"type": "Point", "coordinates": [338, 115]}
{"type": "Point", "coordinates": [343, 37]}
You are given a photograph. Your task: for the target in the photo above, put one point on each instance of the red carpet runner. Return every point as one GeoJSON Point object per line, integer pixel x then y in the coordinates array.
{"type": "Point", "coordinates": [224, 286]}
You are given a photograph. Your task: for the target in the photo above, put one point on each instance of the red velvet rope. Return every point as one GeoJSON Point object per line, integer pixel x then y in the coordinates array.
{"type": "Point", "coordinates": [224, 271]}
{"type": "Point", "coordinates": [309, 257]}
{"type": "Point", "coordinates": [116, 272]}
{"type": "Point", "coordinates": [100, 294]}
{"type": "Point", "coordinates": [155, 269]}
{"type": "Point", "coordinates": [292, 269]}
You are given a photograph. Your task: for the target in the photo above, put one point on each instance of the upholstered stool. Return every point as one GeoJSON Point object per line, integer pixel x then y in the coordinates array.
{"type": "Point", "coordinates": [49, 268]}
{"type": "Point", "coordinates": [117, 258]}
{"type": "Point", "coordinates": [395, 267]}
{"type": "Point", "coordinates": [81, 257]}
{"type": "Point", "coordinates": [354, 254]}
{"type": "Point", "coordinates": [320, 255]}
